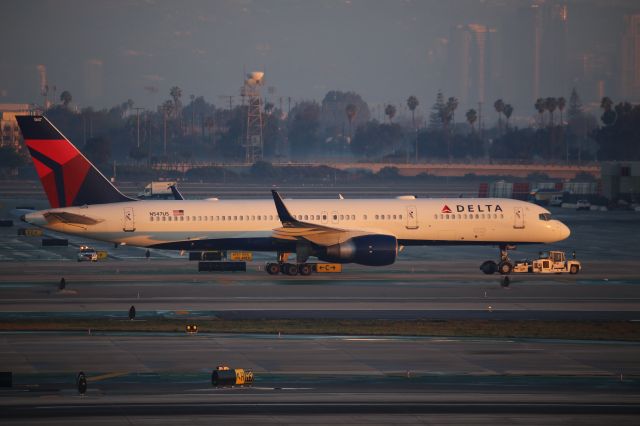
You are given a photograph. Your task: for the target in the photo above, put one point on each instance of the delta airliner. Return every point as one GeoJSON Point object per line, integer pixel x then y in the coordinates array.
{"type": "Point", "coordinates": [364, 231]}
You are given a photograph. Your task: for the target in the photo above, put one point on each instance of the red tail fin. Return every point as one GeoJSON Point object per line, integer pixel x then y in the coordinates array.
{"type": "Point", "coordinates": [68, 178]}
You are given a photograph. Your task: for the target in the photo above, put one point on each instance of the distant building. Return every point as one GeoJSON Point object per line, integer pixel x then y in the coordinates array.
{"type": "Point", "coordinates": [9, 131]}
{"type": "Point", "coordinates": [630, 59]}
{"type": "Point", "coordinates": [472, 63]}
{"type": "Point", "coordinates": [621, 180]}
{"type": "Point", "coordinates": [534, 43]}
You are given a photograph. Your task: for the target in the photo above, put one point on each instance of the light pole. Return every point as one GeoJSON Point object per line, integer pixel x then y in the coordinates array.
{"type": "Point", "coordinates": [138, 124]}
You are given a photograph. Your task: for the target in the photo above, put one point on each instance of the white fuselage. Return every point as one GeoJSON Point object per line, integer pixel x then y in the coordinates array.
{"type": "Point", "coordinates": [411, 221]}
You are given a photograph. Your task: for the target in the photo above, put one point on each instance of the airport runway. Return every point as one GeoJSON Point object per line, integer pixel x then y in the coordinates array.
{"type": "Point", "coordinates": [149, 374]}
{"type": "Point", "coordinates": [164, 378]}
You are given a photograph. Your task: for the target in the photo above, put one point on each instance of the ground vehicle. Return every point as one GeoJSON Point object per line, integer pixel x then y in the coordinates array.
{"type": "Point", "coordinates": [548, 263]}
{"type": "Point", "coordinates": [160, 191]}
{"type": "Point", "coordinates": [583, 205]}
{"type": "Point", "coordinates": [87, 253]}
{"type": "Point", "coordinates": [556, 200]}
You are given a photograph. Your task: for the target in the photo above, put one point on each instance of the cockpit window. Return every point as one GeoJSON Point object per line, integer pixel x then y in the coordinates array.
{"type": "Point", "coordinates": [545, 216]}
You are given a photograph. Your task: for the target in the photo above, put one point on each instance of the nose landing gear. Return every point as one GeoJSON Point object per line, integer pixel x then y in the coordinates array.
{"type": "Point", "coordinates": [504, 267]}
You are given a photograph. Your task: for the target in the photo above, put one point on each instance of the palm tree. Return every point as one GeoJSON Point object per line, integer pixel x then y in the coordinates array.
{"type": "Point", "coordinates": [65, 98]}
{"type": "Point", "coordinates": [540, 107]}
{"type": "Point", "coordinates": [508, 110]}
{"type": "Point", "coordinates": [550, 105]}
{"type": "Point", "coordinates": [609, 115]}
{"type": "Point", "coordinates": [176, 94]}
{"type": "Point", "coordinates": [499, 106]}
{"type": "Point", "coordinates": [472, 117]}
{"type": "Point", "coordinates": [562, 102]}
{"type": "Point", "coordinates": [413, 103]}
{"type": "Point", "coordinates": [390, 111]}
{"type": "Point", "coordinates": [351, 110]}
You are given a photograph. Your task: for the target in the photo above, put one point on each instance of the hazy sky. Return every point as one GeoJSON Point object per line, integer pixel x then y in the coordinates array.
{"type": "Point", "coordinates": [105, 52]}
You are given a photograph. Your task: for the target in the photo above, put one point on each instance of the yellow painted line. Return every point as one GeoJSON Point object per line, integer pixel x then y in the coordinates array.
{"type": "Point", "coordinates": [106, 376]}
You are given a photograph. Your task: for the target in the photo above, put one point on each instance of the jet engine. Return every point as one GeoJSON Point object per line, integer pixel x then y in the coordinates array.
{"type": "Point", "coordinates": [369, 250]}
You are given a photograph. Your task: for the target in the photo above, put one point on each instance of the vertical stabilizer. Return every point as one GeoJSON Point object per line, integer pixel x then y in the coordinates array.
{"type": "Point", "coordinates": [68, 178]}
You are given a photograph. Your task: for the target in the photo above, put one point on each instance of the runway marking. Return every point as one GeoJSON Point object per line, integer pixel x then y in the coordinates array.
{"type": "Point", "coordinates": [106, 376]}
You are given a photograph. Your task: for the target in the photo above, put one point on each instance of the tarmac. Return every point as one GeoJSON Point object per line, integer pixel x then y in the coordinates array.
{"type": "Point", "coordinates": [156, 378]}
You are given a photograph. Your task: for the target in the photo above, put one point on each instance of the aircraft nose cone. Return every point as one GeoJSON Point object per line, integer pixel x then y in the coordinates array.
{"type": "Point", "coordinates": [564, 231]}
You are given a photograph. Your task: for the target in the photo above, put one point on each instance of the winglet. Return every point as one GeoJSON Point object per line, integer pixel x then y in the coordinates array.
{"type": "Point", "coordinates": [285, 217]}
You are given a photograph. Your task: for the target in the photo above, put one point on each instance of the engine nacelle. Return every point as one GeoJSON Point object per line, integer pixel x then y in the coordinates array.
{"type": "Point", "coordinates": [369, 250]}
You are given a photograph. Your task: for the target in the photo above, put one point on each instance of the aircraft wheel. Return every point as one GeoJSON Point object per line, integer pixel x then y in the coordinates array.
{"type": "Point", "coordinates": [489, 267]}
{"type": "Point", "coordinates": [290, 269]}
{"type": "Point", "coordinates": [305, 269]}
{"type": "Point", "coordinates": [273, 268]}
{"type": "Point", "coordinates": [574, 269]}
{"type": "Point", "coordinates": [505, 268]}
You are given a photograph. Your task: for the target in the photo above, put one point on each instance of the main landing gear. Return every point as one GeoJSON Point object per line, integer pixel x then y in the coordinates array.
{"type": "Point", "coordinates": [504, 267]}
{"type": "Point", "coordinates": [286, 268]}
{"type": "Point", "coordinates": [289, 268]}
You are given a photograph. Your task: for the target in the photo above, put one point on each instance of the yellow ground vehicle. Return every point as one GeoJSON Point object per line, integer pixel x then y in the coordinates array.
{"type": "Point", "coordinates": [549, 262]}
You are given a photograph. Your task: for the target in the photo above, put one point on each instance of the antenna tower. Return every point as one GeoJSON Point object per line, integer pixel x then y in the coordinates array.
{"type": "Point", "coordinates": [253, 142]}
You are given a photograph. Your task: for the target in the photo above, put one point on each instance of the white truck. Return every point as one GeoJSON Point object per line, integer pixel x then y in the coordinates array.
{"type": "Point", "coordinates": [549, 262]}
{"type": "Point", "coordinates": [158, 191]}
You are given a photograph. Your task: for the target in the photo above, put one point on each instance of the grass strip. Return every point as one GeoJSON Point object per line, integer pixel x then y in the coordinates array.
{"type": "Point", "coordinates": [574, 330]}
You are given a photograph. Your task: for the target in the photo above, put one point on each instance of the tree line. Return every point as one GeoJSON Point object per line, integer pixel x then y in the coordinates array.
{"type": "Point", "coordinates": [342, 126]}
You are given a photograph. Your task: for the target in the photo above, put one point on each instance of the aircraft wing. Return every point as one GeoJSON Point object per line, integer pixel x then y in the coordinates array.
{"type": "Point", "coordinates": [70, 218]}
{"type": "Point", "coordinates": [293, 229]}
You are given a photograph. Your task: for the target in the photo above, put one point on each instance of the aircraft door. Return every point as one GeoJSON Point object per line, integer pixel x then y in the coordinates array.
{"type": "Point", "coordinates": [412, 217]}
{"type": "Point", "coordinates": [518, 216]}
{"type": "Point", "coordinates": [128, 223]}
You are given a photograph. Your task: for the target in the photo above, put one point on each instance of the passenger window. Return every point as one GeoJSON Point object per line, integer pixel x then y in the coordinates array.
{"type": "Point", "coordinates": [235, 218]}
{"type": "Point", "coordinates": [187, 218]}
{"type": "Point", "coordinates": [364, 217]}
{"type": "Point", "coordinates": [353, 217]}
{"type": "Point", "coordinates": [271, 217]}
{"type": "Point", "coordinates": [164, 218]}
{"type": "Point", "coordinates": [335, 217]}
{"type": "Point", "coordinates": [376, 217]}
{"type": "Point", "coordinates": [324, 217]}
{"type": "Point", "coordinates": [341, 217]}
{"type": "Point", "coordinates": [400, 217]}
{"type": "Point", "coordinates": [306, 217]}
{"type": "Point", "coordinates": [441, 216]}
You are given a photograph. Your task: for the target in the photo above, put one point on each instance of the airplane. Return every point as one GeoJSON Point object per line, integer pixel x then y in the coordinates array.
{"type": "Point", "coordinates": [363, 231]}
